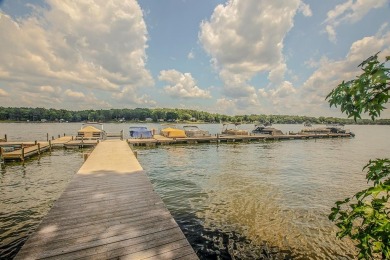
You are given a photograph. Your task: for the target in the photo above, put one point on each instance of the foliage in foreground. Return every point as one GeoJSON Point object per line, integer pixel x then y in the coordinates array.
{"type": "Point", "coordinates": [365, 217]}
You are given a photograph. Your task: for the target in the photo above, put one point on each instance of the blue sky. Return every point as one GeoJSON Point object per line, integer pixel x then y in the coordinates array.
{"type": "Point", "coordinates": [231, 57]}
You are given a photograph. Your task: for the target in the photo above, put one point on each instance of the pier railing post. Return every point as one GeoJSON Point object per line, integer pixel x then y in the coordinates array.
{"type": "Point", "coordinates": [22, 155]}
{"type": "Point", "coordinates": [1, 157]}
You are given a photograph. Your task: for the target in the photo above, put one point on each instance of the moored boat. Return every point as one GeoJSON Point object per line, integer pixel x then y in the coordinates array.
{"type": "Point", "coordinates": [233, 131]}
{"type": "Point", "coordinates": [194, 131]}
{"type": "Point", "coordinates": [140, 132]}
{"type": "Point", "coordinates": [173, 132]}
{"type": "Point", "coordinates": [328, 129]}
{"type": "Point", "coordinates": [266, 130]}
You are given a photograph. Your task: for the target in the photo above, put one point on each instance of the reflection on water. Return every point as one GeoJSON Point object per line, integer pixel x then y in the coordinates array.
{"type": "Point", "coordinates": [257, 199]}
{"type": "Point", "coordinates": [27, 192]}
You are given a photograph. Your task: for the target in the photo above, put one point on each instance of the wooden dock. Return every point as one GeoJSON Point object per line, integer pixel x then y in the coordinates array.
{"type": "Point", "coordinates": [26, 150]}
{"type": "Point", "coordinates": [108, 211]}
{"type": "Point", "coordinates": [161, 140]}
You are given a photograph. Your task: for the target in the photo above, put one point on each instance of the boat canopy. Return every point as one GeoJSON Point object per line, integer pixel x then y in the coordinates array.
{"type": "Point", "coordinates": [90, 129]}
{"type": "Point", "coordinates": [90, 132]}
{"type": "Point", "coordinates": [173, 133]}
{"type": "Point", "coordinates": [140, 132]}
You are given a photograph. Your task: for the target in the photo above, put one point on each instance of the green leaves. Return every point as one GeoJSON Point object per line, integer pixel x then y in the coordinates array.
{"type": "Point", "coordinates": [368, 93]}
{"type": "Point", "coordinates": [365, 217]}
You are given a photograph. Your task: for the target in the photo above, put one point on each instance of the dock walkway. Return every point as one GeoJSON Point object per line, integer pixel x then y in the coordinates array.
{"type": "Point", "coordinates": [108, 211]}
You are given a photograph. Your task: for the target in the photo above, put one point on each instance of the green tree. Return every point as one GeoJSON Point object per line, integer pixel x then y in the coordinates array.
{"type": "Point", "coordinates": [365, 217]}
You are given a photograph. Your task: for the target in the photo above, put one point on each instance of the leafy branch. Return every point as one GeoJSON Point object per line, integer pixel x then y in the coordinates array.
{"type": "Point", "coordinates": [365, 217]}
{"type": "Point", "coordinates": [366, 94]}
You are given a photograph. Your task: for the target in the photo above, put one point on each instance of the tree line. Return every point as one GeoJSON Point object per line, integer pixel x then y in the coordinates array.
{"type": "Point", "coordinates": [28, 114]}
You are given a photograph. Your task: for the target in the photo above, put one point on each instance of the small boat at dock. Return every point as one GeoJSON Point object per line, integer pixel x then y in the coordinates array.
{"type": "Point", "coordinates": [266, 130]}
{"type": "Point", "coordinates": [139, 132]}
{"type": "Point", "coordinates": [173, 132]}
{"type": "Point", "coordinates": [233, 131]}
{"type": "Point", "coordinates": [328, 129]}
{"type": "Point", "coordinates": [194, 131]}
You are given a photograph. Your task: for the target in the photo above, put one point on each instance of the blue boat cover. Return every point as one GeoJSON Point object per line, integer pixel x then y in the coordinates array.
{"type": "Point", "coordinates": [140, 132]}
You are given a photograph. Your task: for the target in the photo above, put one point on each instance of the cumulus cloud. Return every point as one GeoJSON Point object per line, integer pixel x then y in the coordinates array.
{"type": "Point", "coordinates": [182, 85]}
{"type": "Point", "coordinates": [285, 90]}
{"type": "Point", "coordinates": [191, 55]}
{"type": "Point", "coordinates": [90, 45]}
{"type": "Point", "coordinates": [245, 38]}
{"type": "Point", "coordinates": [74, 94]}
{"type": "Point", "coordinates": [305, 9]}
{"type": "Point", "coordinates": [350, 11]}
{"type": "Point", "coordinates": [330, 73]}
{"type": "Point", "coordinates": [3, 93]}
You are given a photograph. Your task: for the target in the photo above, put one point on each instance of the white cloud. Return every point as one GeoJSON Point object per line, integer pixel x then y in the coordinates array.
{"type": "Point", "coordinates": [47, 89]}
{"type": "Point", "coordinates": [305, 9]}
{"type": "Point", "coordinates": [285, 90]}
{"type": "Point", "coordinates": [3, 93]}
{"type": "Point", "coordinates": [244, 38]}
{"type": "Point", "coordinates": [74, 94]}
{"type": "Point", "coordinates": [90, 45]}
{"type": "Point", "coordinates": [182, 85]}
{"type": "Point", "coordinates": [331, 73]}
{"type": "Point", "coordinates": [191, 55]}
{"type": "Point", "coordinates": [349, 12]}
{"type": "Point", "coordinates": [331, 33]}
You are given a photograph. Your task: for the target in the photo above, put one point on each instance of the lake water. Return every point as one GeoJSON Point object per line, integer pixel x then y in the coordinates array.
{"type": "Point", "coordinates": [242, 201]}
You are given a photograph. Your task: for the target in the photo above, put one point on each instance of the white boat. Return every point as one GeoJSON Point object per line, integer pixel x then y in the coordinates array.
{"type": "Point", "coordinates": [194, 131]}
{"type": "Point", "coordinates": [233, 131]}
{"type": "Point", "coordinates": [266, 130]}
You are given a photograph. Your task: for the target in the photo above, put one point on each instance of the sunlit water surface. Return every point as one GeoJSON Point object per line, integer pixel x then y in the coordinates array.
{"type": "Point", "coordinates": [243, 201]}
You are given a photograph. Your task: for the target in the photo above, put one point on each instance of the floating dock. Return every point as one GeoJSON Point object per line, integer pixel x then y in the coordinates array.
{"type": "Point", "coordinates": [108, 211]}
{"type": "Point", "coordinates": [25, 150]}
{"type": "Point", "coordinates": [31, 148]}
{"type": "Point", "coordinates": [161, 140]}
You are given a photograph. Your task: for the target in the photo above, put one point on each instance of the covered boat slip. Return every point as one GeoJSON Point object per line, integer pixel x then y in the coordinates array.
{"type": "Point", "coordinates": [140, 132]}
{"type": "Point", "coordinates": [109, 210]}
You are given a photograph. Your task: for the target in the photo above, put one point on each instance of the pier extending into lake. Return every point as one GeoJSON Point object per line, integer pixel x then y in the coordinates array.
{"type": "Point", "coordinates": [219, 138]}
{"type": "Point", "coordinates": [109, 210]}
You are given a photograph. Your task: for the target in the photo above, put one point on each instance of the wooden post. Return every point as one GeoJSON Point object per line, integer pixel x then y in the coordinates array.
{"type": "Point", "coordinates": [35, 142]}
{"type": "Point", "coordinates": [72, 137]}
{"type": "Point", "coordinates": [5, 137]}
{"type": "Point", "coordinates": [47, 137]}
{"type": "Point", "coordinates": [1, 157]}
{"type": "Point", "coordinates": [50, 145]}
{"type": "Point", "coordinates": [52, 138]}
{"type": "Point", "coordinates": [64, 134]}
{"type": "Point", "coordinates": [122, 134]}
{"type": "Point", "coordinates": [22, 155]}
{"type": "Point", "coordinates": [59, 136]}
{"type": "Point", "coordinates": [39, 148]}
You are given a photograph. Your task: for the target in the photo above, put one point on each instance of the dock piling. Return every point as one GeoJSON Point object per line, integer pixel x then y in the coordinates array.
{"type": "Point", "coordinates": [22, 155]}
{"type": "Point", "coordinates": [1, 156]}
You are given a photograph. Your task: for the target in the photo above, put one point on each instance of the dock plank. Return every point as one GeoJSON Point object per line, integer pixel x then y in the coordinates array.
{"type": "Point", "coordinates": [109, 210]}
